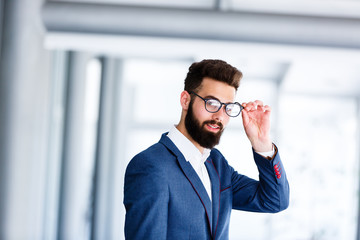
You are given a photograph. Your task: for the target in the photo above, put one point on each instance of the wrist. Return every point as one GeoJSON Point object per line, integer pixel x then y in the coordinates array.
{"type": "Point", "coordinates": [262, 146]}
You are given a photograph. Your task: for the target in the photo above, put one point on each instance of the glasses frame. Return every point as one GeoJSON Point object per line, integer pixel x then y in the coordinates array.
{"type": "Point", "coordinates": [221, 104]}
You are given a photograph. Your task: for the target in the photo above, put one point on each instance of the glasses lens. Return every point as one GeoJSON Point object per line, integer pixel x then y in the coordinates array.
{"type": "Point", "coordinates": [212, 105]}
{"type": "Point", "coordinates": [233, 109]}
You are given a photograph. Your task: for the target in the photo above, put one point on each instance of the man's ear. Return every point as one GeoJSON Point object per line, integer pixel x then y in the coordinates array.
{"type": "Point", "coordinates": [185, 99]}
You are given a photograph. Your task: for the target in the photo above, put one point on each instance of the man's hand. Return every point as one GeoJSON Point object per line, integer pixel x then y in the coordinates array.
{"type": "Point", "coordinates": [256, 120]}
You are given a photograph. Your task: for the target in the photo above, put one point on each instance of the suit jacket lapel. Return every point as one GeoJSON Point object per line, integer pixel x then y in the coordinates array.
{"type": "Point", "coordinates": [215, 191]}
{"type": "Point", "coordinates": [198, 186]}
{"type": "Point", "coordinates": [193, 178]}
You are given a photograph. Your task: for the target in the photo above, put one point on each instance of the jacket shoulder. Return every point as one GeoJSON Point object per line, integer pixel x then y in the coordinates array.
{"type": "Point", "coordinates": [152, 157]}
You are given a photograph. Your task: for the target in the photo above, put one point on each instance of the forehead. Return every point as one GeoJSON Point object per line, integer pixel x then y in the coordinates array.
{"type": "Point", "coordinates": [220, 90]}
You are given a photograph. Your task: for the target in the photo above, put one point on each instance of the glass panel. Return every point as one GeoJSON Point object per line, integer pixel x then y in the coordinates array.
{"type": "Point", "coordinates": [157, 86]}
{"type": "Point", "coordinates": [319, 144]}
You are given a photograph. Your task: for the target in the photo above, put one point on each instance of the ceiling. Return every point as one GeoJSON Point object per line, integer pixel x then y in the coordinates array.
{"type": "Point", "coordinates": [307, 47]}
{"type": "Point", "coordinates": [349, 8]}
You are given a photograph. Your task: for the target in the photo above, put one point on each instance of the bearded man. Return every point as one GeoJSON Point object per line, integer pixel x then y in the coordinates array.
{"type": "Point", "coordinates": [182, 187]}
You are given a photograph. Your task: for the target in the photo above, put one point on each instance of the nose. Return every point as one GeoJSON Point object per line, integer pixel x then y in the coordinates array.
{"type": "Point", "coordinates": [220, 115]}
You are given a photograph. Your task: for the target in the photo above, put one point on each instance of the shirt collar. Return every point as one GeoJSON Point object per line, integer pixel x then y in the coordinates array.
{"type": "Point", "coordinates": [186, 147]}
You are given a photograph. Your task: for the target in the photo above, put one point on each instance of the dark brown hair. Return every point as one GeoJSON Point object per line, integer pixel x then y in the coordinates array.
{"type": "Point", "coordinates": [212, 68]}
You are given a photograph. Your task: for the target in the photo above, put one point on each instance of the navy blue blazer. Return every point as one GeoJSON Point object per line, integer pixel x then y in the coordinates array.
{"type": "Point", "coordinates": [165, 199]}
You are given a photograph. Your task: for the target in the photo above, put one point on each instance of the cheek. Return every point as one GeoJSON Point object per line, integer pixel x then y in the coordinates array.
{"type": "Point", "coordinates": [202, 117]}
{"type": "Point", "coordinates": [200, 113]}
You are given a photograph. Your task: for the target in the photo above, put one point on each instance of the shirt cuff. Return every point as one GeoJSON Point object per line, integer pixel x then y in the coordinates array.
{"type": "Point", "coordinates": [269, 154]}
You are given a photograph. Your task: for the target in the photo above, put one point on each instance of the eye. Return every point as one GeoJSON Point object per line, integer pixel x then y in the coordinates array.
{"type": "Point", "coordinates": [233, 109]}
{"type": "Point", "coordinates": [212, 104]}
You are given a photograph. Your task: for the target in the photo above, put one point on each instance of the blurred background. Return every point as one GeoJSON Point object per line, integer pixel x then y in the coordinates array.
{"type": "Point", "coordinates": [86, 84]}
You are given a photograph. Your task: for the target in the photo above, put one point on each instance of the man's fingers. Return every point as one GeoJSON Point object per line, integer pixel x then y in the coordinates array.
{"type": "Point", "coordinates": [267, 108]}
{"type": "Point", "coordinates": [259, 103]}
{"type": "Point", "coordinates": [249, 106]}
{"type": "Point", "coordinates": [256, 105]}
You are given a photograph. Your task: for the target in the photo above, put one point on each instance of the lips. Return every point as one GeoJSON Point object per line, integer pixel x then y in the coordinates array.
{"type": "Point", "coordinates": [213, 126]}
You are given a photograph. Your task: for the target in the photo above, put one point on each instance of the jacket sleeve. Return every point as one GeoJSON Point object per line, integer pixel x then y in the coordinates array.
{"type": "Point", "coordinates": [146, 201]}
{"type": "Point", "coordinates": [269, 194]}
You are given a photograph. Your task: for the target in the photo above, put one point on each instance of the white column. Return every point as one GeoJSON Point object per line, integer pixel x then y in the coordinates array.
{"type": "Point", "coordinates": [24, 115]}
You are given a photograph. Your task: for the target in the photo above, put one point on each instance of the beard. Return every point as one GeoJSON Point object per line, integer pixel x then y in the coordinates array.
{"type": "Point", "coordinates": [198, 131]}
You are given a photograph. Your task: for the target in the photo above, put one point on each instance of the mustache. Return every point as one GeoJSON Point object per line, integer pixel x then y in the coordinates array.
{"type": "Point", "coordinates": [213, 122]}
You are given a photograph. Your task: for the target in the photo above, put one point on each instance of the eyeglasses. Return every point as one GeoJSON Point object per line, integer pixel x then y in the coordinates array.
{"type": "Point", "coordinates": [214, 105]}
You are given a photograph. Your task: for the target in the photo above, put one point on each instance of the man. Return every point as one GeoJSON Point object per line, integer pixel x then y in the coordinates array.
{"type": "Point", "coordinates": [182, 187]}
